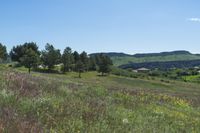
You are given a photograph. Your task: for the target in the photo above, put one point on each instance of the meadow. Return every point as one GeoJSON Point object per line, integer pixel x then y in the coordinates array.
{"type": "Point", "coordinates": [40, 102]}
{"type": "Point", "coordinates": [192, 78]}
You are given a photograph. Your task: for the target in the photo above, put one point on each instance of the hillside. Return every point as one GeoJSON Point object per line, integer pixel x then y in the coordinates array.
{"type": "Point", "coordinates": [65, 103]}
{"type": "Point", "coordinates": [163, 65]}
{"type": "Point", "coordinates": [122, 59]}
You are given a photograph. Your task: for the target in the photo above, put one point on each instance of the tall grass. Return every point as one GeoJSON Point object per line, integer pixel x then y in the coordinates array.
{"type": "Point", "coordinates": [43, 104]}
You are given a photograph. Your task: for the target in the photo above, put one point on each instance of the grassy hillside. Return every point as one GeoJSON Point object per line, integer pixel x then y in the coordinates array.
{"type": "Point", "coordinates": [163, 65]}
{"type": "Point", "coordinates": [122, 58]}
{"type": "Point", "coordinates": [127, 59]}
{"type": "Point", "coordinates": [65, 103]}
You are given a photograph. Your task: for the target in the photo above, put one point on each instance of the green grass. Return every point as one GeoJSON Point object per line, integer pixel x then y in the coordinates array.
{"type": "Point", "coordinates": [125, 60]}
{"type": "Point", "coordinates": [64, 103]}
{"type": "Point", "coordinates": [192, 78]}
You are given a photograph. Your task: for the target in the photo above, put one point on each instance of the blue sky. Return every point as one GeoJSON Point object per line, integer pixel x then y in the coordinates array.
{"type": "Point", "coordinates": [130, 26]}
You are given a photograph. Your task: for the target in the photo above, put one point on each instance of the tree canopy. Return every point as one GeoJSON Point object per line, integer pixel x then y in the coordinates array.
{"type": "Point", "coordinates": [29, 56]}
{"type": "Point", "coordinates": [3, 52]}
{"type": "Point", "coordinates": [30, 59]}
{"type": "Point", "coordinates": [50, 56]}
{"type": "Point", "coordinates": [85, 60]}
{"type": "Point", "coordinates": [19, 51]}
{"type": "Point", "coordinates": [67, 59]}
{"type": "Point", "coordinates": [104, 64]}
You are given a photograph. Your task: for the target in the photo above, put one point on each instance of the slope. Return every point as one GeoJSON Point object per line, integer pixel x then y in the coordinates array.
{"type": "Point", "coordinates": [65, 103]}
{"type": "Point", "coordinates": [122, 59]}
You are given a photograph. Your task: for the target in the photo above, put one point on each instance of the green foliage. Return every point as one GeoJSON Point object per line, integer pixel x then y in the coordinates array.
{"type": "Point", "coordinates": [104, 64]}
{"type": "Point", "coordinates": [50, 56]}
{"type": "Point", "coordinates": [76, 56]}
{"type": "Point", "coordinates": [80, 67]}
{"type": "Point", "coordinates": [92, 64]}
{"type": "Point", "coordinates": [61, 103]}
{"type": "Point", "coordinates": [3, 52]}
{"type": "Point", "coordinates": [192, 78]}
{"type": "Point", "coordinates": [117, 61]}
{"type": "Point", "coordinates": [67, 59]}
{"type": "Point", "coordinates": [26, 55]}
{"type": "Point", "coordinates": [85, 60]}
{"type": "Point", "coordinates": [126, 73]}
{"type": "Point", "coordinates": [30, 59]}
{"type": "Point", "coordinates": [18, 51]}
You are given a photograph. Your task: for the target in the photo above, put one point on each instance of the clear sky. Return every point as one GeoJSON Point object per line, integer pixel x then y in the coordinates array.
{"type": "Point", "coordinates": [130, 26]}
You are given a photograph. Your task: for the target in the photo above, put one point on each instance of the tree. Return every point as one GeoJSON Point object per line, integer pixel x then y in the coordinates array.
{"type": "Point", "coordinates": [3, 52]}
{"type": "Point", "coordinates": [50, 56]}
{"type": "Point", "coordinates": [92, 64]}
{"type": "Point", "coordinates": [67, 59]}
{"type": "Point", "coordinates": [19, 51]}
{"type": "Point", "coordinates": [85, 60]}
{"type": "Point", "coordinates": [30, 59]}
{"type": "Point", "coordinates": [76, 56]}
{"type": "Point", "coordinates": [80, 67]}
{"type": "Point", "coordinates": [104, 64]}
{"type": "Point", "coordinates": [97, 59]}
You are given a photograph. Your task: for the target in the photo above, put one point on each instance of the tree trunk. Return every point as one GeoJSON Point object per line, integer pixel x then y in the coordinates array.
{"type": "Point", "coordinates": [79, 74]}
{"type": "Point", "coordinates": [29, 70]}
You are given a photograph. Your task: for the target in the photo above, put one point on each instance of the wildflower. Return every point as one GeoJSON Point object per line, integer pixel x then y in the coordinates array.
{"type": "Point", "coordinates": [125, 121]}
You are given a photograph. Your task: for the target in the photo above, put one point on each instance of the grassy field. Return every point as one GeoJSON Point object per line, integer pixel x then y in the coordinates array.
{"type": "Point", "coordinates": [64, 103]}
{"type": "Point", "coordinates": [192, 78]}
{"type": "Point", "coordinates": [125, 60]}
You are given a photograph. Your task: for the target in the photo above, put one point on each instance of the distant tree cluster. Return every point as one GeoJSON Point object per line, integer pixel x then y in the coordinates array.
{"type": "Point", "coordinates": [28, 55]}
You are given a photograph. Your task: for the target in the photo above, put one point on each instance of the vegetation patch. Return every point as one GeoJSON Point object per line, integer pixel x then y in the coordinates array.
{"type": "Point", "coordinates": [48, 104]}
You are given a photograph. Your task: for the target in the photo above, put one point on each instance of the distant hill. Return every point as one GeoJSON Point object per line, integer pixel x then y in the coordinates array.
{"type": "Point", "coordinates": [163, 54]}
{"type": "Point", "coordinates": [163, 65]}
{"type": "Point", "coordinates": [122, 58]}
{"type": "Point", "coordinates": [113, 54]}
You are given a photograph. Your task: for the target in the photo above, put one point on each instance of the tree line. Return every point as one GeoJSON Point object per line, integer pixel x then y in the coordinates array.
{"type": "Point", "coordinates": [29, 56]}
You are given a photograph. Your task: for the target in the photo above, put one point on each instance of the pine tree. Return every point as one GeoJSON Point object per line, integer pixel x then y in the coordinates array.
{"type": "Point", "coordinates": [18, 51]}
{"type": "Point", "coordinates": [3, 52]}
{"type": "Point", "coordinates": [92, 64]}
{"type": "Point", "coordinates": [30, 59]}
{"type": "Point", "coordinates": [76, 56]}
{"type": "Point", "coordinates": [80, 67]}
{"type": "Point", "coordinates": [67, 59]}
{"type": "Point", "coordinates": [50, 56]}
{"type": "Point", "coordinates": [85, 60]}
{"type": "Point", "coordinates": [104, 64]}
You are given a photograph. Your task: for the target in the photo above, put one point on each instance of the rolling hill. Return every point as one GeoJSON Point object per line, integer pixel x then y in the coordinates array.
{"type": "Point", "coordinates": [163, 65]}
{"type": "Point", "coordinates": [122, 58]}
